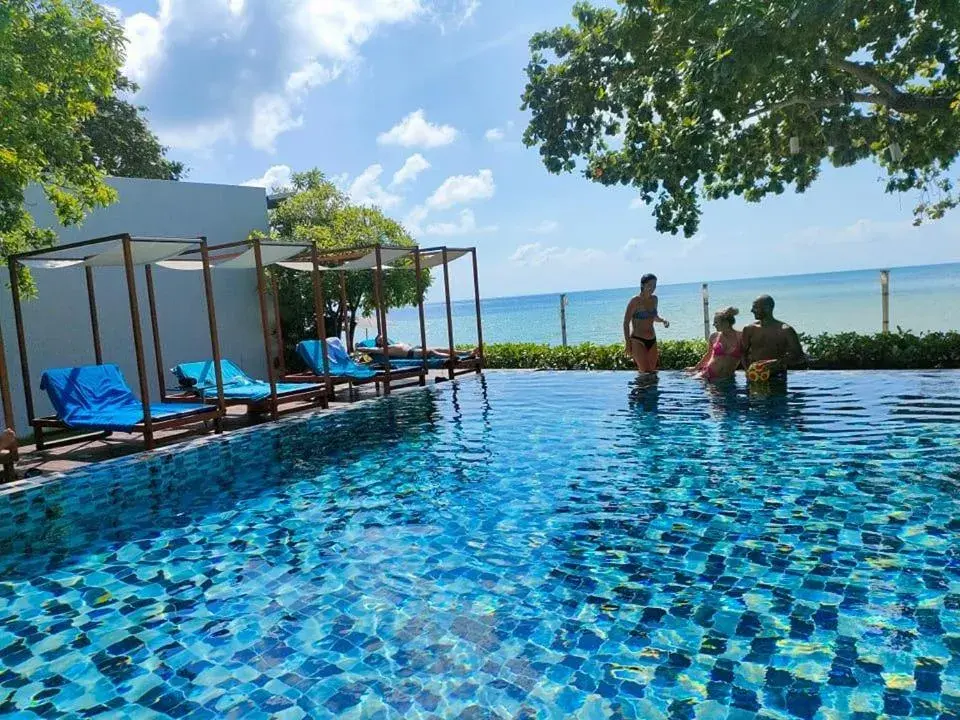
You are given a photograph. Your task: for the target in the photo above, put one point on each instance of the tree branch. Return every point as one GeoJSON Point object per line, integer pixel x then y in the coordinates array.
{"type": "Point", "coordinates": [901, 102]}
{"type": "Point", "coordinates": [868, 75]}
{"type": "Point", "coordinates": [909, 103]}
{"type": "Point", "coordinates": [821, 104]}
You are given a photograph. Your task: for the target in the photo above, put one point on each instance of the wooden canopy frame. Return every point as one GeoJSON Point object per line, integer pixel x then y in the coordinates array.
{"type": "Point", "coordinates": [442, 256]}
{"type": "Point", "coordinates": [79, 253]}
{"type": "Point", "coordinates": [340, 261]}
{"type": "Point", "coordinates": [223, 255]}
{"type": "Point", "coordinates": [9, 459]}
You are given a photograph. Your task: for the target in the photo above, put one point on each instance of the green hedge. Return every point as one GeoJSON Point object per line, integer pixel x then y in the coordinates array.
{"type": "Point", "coordinates": [844, 351]}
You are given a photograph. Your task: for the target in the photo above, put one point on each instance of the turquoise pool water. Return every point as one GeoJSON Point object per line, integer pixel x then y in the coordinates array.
{"type": "Point", "coordinates": [524, 545]}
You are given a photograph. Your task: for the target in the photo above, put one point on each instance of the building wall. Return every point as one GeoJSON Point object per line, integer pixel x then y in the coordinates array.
{"type": "Point", "coordinates": [58, 320]}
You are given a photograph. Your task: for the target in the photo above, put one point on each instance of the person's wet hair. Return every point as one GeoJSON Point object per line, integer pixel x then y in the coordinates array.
{"type": "Point", "coordinates": [728, 315]}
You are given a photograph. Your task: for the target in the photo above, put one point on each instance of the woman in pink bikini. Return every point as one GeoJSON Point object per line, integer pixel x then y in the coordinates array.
{"type": "Point", "coordinates": [724, 349]}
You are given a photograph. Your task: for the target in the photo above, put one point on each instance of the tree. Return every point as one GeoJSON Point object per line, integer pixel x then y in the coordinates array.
{"type": "Point", "coordinates": [319, 213]}
{"type": "Point", "coordinates": [121, 142]}
{"type": "Point", "coordinates": [690, 100]}
{"type": "Point", "coordinates": [58, 59]}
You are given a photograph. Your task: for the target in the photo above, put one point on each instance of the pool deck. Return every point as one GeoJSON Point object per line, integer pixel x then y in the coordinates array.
{"type": "Point", "coordinates": [60, 458]}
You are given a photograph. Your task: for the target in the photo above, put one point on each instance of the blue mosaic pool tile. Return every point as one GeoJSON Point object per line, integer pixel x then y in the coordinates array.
{"type": "Point", "coordinates": [496, 549]}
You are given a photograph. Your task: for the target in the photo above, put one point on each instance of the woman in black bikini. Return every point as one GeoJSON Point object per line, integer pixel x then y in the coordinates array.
{"type": "Point", "coordinates": [638, 321]}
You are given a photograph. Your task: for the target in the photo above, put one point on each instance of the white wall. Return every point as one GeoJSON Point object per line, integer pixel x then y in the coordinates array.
{"type": "Point", "coordinates": [58, 320]}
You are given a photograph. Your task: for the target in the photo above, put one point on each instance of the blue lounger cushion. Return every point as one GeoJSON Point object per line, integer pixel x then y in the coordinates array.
{"type": "Point", "coordinates": [200, 378]}
{"type": "Point", "coordinates": [341, 364]}
{"type": "Point", "coordinates": [96, 397]}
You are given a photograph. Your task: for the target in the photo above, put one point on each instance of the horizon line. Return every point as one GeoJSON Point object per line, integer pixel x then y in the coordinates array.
{"type": "Point", "coordinates": [698, 282]}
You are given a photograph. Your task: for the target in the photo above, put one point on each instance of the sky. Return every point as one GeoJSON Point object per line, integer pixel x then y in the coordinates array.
{"type": "Point", "coordinates": [414, 106]}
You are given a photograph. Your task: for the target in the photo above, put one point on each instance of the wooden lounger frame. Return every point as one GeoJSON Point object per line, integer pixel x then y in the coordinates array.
{"type": "Point", "coordinates": [148, 427]}
{"type": "Point", "coordinates": [314, 396]}
{"type": "Point", "coordinates": [184, 419]}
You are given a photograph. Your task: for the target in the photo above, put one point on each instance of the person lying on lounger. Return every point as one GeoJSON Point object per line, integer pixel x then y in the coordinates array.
{"type": "Point", "coordinates": [405, 351]}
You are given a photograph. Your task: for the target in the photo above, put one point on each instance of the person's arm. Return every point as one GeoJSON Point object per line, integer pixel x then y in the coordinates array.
{"type": "Point", "coordinates": [658, 319]}
{"type": "Point", "coordinates": [706, 356]}
{"type": "Point", "coordinates": [794, 356]}
{"type": "Point", "coordinates": [745, 346]}
{"type": "Point", "coordinates": [627, 317]}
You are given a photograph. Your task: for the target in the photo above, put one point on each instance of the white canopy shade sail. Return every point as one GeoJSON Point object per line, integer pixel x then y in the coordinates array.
{"type": "Point", "coordinates": [269, 254]}
{"type": "Point", "coordinates": [110, 254]}
{"type": "Point", "coordinates": [433, 258]}
{"type": "Point", "coordinates": [369, 261]}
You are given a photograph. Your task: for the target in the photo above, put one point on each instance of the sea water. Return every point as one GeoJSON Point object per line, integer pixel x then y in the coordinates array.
{"type": "Point", "coordinates": [922, 299]}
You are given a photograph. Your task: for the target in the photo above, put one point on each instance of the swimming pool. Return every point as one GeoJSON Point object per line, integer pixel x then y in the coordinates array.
{"type": "Point", "coordinates": [520, 545]}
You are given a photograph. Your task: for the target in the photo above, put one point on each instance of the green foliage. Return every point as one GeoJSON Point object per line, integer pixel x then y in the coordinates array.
{"type": "Point", "coordinates": [319, 213]}
{"type": "Point", "coordinates": [691, 100]}
{"type": "Point", "coordinates": [58, 60]}
{"type": "Point", "coordinates": [121, 142]}
{"type": "Point", "coordinates": [893, 351]}
{"type": "Point", "coordinates": [674, 355]}
{"type": "Point", "coordinates": [844, 351]}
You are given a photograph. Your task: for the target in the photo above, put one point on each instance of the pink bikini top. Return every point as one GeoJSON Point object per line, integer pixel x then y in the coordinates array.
{"type": "Point", "coordinates": [720, 351]}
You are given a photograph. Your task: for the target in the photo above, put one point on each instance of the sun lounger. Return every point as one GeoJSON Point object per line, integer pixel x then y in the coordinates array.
{"type": "Point", "coordinates": [96, 397]}
{"type": "Point", "coordinates": [370, 347]}
{"type": "Point", "coordinates": [340, 363]}
{"type": "Point", "coordinates": [199, 379]}
{"type": "Point", "coordinates": [343, 368]}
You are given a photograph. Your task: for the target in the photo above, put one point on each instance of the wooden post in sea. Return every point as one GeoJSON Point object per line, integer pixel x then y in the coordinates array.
{"type": "Point", "coordinates": [705, 292]}
{"type": "Point", "coordinates": [885, 299]}
{"type": "Point", "coordinates": [563, 318]}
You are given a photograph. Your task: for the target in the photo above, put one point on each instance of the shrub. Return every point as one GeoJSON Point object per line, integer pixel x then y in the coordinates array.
{"type": "Point", "coordinates": [844, 351]}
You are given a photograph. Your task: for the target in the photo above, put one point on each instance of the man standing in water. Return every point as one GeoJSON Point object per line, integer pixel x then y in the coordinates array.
{"type": "Point", "coordinates": [771, 343]}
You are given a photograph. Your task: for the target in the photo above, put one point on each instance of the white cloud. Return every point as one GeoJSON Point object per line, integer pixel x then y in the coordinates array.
{"type": "Point", "coordinates": [144, 49]}
{"type": "Point", "coordinates": [545, 228]}
{"type": "Point", "coordinates": [413, 222]}
{"type": "Point", "coordinates": [196, 137]}
{"type": "Point", "coordinates": [366, 189]}
{"type": "Point", "coordinates": [452, 13]}
{"type": "Point", "coordinates": [253, 62]}
{"type": "Point", "coordinates": [467, 225]}
{"type": "Point", "coordinates": [414, 165]}
{"type": "Point", "coordinates": [537, 254]}
{"type": "Point", "coordinates": [862, 231]}
{"type": "Point", "coordinates": [635, 250]}
{"type": "Point", "coordinates": [277, 176]}
{"type": "Point", "coordinates": [497, 134]}
{"type": "Point", "coordinates": [272, 116]}
{"type": "Point", "coordinates": [416, 131]}
{"type": "Point", "coordinates": [337, 28]}
{"type": "Point", "coordinates": [311, 75]}
{"type": "Point", "coordinates": [461, 189]}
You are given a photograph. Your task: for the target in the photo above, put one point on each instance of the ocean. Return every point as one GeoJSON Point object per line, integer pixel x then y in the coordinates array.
{"type": "Point", "coordinates": [922, 299]}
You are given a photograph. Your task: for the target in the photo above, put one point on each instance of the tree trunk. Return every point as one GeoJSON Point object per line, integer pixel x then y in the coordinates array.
{"type": "Point", "coordinates": [353, 328]}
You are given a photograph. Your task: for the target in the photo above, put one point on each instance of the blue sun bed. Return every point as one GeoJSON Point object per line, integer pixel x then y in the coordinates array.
{"type": "Point", "coordinates": [200, 379]}
{"type": "Point", "coordinates": [96, 397]}
{"type": "Point", "coordinates": [341, 364]}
